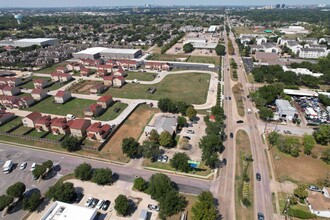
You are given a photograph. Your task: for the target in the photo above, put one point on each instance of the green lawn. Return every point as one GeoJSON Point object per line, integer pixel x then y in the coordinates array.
{"type": "Point", "coordinates": [110, 114]}
{"type": "Point", "coordinates": [75, 107]}
{"type": "Point", "coordinates": [141, 76]}
{"type": "Point", "coordinates": [36, 134]}
{"type": "Point", "coordinates": [57, 85]}
{"type": "Point", "coordinates": [169, 57]}
{"type": "Point", "coordinates": [204, 59]}
{"type": "Point", "coordinates": [11, 124]}
{"type": "Point", "coordinates": [190, 87]}
{"type": "Point", "coordinates": [52, 68]}
{"type": "Point", "coordinates": [51, 136]}
{"type": "Point", "coordinates": [21, 130]}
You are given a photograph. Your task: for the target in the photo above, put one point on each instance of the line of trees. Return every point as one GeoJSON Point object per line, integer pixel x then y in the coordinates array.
{"type": "Point", "coordinates": [100, 176]}
{"type": "Point", "coordinates": [171, 44]}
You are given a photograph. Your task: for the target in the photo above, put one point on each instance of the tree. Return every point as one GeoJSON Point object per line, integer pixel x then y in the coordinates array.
{"type": "Point", "coordinates": [140, 184]}
{"type": "Point", "coordinates": [5, 201]}
{"type": "Point", "coordinates": [165, 105]}
{"type": "Point", "coordinates": [182, 121]}
{"type": "Point", "coordinates": [326, 155]}
{"type": "Point", "coordinates": [39, 171]}
{"type": "Point", "coordinates": [265, 113]}
{"type": "Point", "coordinates": [121, 205]}
{"type": "Point", "coordinates": [83, 172]}
{"type": "Point", "coordinates": [150, 149]}
{"type": "Point", "coordinates": [166, 139]}
{"type": "Point", "coordinates": [188, 48]}
{"type": "Point", "coordinates": [220, 50]}
{"type": "Point", "coordinates": [204, 208]}
{"type": "Point", "coordinates": [102, 176]}
{"type": "Point", "coordinates": [131, 147]}
{"type": "Point", "coordinates": [180, 162]}
{"type": "Point", "coordinates": [63, 192]}
{"type": "Point", "coordinates": [159, 185]}
{"type": "Point", "coordinates": [71, 143]}
{"type": "Point", "coordinates": [191, 112]}
{"type": "Point", "coordinates": [309, 143]}
{"type": "Point", "coordinates": [16, 190]}
{"type": "Point", "coordinates": [322, 134]}
{"type": "Point", "coordinates": [274, 138]}
{"type": "Point", "coordinates": [153, 136]}
{"type": "Point", "coordinates": [32, 202]}
{"type": "Point", "coordinates": [300, 192]}
{"type": "Point", "coordinates": [171, 203]}
{"type": "Point", "coordinates": [48, 164]}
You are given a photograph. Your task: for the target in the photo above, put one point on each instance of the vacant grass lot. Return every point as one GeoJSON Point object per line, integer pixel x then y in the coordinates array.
{"type": "Point", "coordinates": [238, 98]}
{"type": "Point", "coordinates": [204, 59]}
{"type": "Point", "coordinates": [190, 87]}
{"type": "Point", "coordinates": [169, 57]}
{"type": "Point", "coordinates": [9, 125]}
{"type": "Point", "coordinates": [141, 76]}
{"type": "Point", "coordinates": [75, 107]}
{"type": "Point", "coordinates": [110, 114]}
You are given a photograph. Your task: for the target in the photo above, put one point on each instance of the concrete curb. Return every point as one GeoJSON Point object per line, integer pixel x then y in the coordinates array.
{"type": "Point", "coordinates": [180, 173]}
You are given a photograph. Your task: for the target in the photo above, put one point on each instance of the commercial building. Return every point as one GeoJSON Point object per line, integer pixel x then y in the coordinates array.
{"type": "Point", "coordinates": [200, 43]}
{"type": "Point", "coordinates": [285, 110]}
{"type": "Point", "coordinates": [64, 211]}
{"type": "Point", "coordinates": [293, 30]}
{"type": "Point", "coordinates": [313, 53]}
{"type": "Point", "coordinates": [212, 29]}
{"type": "Point", "coordinates": [108, 53]}
{"type": "Point", "coordinates": [27, 42]}
{"type": "Point", "coordinates": [296, 92]}
{"type": "Point", "coordinates": [163, 123]}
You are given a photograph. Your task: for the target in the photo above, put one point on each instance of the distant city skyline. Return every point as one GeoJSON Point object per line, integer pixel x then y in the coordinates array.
{"type": "Point", "coordinates": [85, 3]}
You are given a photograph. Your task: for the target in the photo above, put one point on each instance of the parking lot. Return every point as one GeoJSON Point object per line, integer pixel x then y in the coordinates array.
{"type": "Point", "coordinates": [110, 193]}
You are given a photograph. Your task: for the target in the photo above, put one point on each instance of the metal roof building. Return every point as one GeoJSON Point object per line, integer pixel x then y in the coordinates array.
{"type": "Point", "coordinates": [27, 42]}
{"type": "Point", "coordinates": [163, 123]}
{"type": "Point", "coordinates": [108, 53]}
{"type": "Point", "coordinates": [300, 92]}
{"type": "Point", "coordinates": [284, 109]}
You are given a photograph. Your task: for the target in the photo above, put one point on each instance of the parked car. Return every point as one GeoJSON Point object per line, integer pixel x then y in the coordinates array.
{"type": "Point", "coordinates": [165, 158]}
{"type": "Point", "coordinates": [100, 204]}
{"type": "Point", "coordinates": [35, 178]}
{"type": "Point", "coordinates": [224, 161]}
{"type": "Point", "coordinates": [261, 216]}
{"type": "Point", "coordinates": [190, 132]}
{"type": "Point", "coordinates": [240, 121]}
{"type": "Point", "coordinates": [33, 166]}
{"type": "Point", "coordinates": [70, 117]}
{"type": "Point", "coordinates": [89, 201]}
{"type": "Point", "coordinates": [78, 198]}
{"type": "Point", "coordinates": [229, 98]}
{"type": "Point", "coordinates": [94, 202]}
{"type": "Point", "coordinates": [153, 207]}
{"type": "Point", "coordinates": [23, 166]}
{"type": "Point", "coordinates": [231, 135]}
{"type": "Point", "coordinates": [187, 137]}
{"type": "Point", "coordinates": [160, 158]}
{"type": "Point", "coordinates": [258, 176]}
{"type": "Point", "coordinates": [287, 132]}
{"type": "Point", "coordinates": [314, 188]}
{"type": "Point", "coordinates": [106, 205]}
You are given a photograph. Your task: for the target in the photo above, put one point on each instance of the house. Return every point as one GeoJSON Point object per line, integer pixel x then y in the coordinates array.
{"type": "Point", "coordinates": [43, 123]}
{"type": "Point", "coordinates": [62, 77]}
{"type": "Point", "coordinates": [101, 73]}
{"type": "Point", "coordinates": [6, 116]}
{"type": "Point", "coordinates": [313, 53]}
{"type": "Point", "coordinates": [62, 69]}
{"type": "Point", "coordinates": [120, 72]}
{"type": "Point", "coordinates": [39, 94]}
{"type": "Point", "coordinates": [98, 88]}
{"type": "Point", "coordinates": [115, 81]}
{"type": "Point", "coordinates": [163, 123]}
{"type": "Point", "coordinates": [93, 110]}
{"type": "Point", "coordinates": [89, 62]}
{"type": "Point", "coordinates": [10, 91]}
{"type": "Point", "coordinates": [157, 66]}
{"type": "Point", "coordinates": [11, 81]}
{"type": "Point", "coordinates": [78, 127]}
{"type": "Point", "coordinates": [129, 64]}
{"type": "Point", "coordinates": [105, 101]}
{"type": "Point", "coordinates": [74, 66]}
{"type": "Point", "coordinates": [59, 126]}
{"type": "Point", "coordinates": [40, 83]}
{"type": "Point", "coordinates": [85, 72]}
{"type": "Point", "coordinates": [261, 40]}
{"type": "Point", "coordinates": [97, 131]}
{"type": "Point", "coordinates": [284, 109]}
{"type": "Point", "coordinates": [318, 202]}
{"type": "Point", "coordinates": [9, 101]}
{"type": "Point", "coordinates": [26, 101]}
{"type": "Point", "coordinates": [105, 67]}
{"type": "Point", "coordinates": [62, 97]}
{"type": "Point", "coordinates": [31, 119]}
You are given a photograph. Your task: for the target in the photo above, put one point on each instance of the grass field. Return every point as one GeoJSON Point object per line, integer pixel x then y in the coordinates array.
{"type": "Point", "coordinates": [243, 148]}
{"type": "Point", "coordinates": [9, 125]}
{"type": "Point", "coordinates": [21, 130]}
{"type": "Point", "coordinates": [204, 59]}
{"type": "Point", "coordinates": [141, 76]}
{"type": "Point", "coordinates": [110, 114]}
{"type": "Point", "coordinates": [53, 137]}
{"type": "Point", "coordinates": [82, 87]}
{"type": "Point", "coordinates": [169, 57]}
{"type": "Point", "coordinates": [238, 99]}
{"type": "Point", "coordinates": [52, 68]}
{"type": "Point", "coordinates": [190, 87]}
{"type": "Point", "coordinates": [75, 107]}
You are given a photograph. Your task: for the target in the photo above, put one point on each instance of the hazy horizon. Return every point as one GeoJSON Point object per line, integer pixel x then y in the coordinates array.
{"type": "Point", "coordinates": [102, 3]}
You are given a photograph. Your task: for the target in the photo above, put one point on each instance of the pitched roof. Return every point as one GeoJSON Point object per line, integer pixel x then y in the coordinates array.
{"type": "Point", "coordinates": [62, 93]}
{"type": "Point", "coordinates": [34, 116]}
{"type": "Point", "coordinates": [61, 74]}
{"type": "Point", "coordinates": [78, 123]}
{"type": "Point", "coordinates": [95, 127]}
{"type": "Point", "coordinates": [105, 98]}
{"type": "Point", "coordinates": [37, 91]}
{"type": "Point", "coordinates": [44, 120]}
{"type": "Point", "coordinates": [93, 107]}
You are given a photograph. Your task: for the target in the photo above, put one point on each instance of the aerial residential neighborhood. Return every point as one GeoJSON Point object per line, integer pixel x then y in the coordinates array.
{"type": "Point", "coordinates": [157, 110]}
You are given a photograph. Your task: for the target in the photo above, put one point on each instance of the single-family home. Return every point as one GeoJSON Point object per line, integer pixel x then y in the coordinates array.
{"type": "Point", "coordinates": [26, 101]}
{"type": "Point", "coordinates": [6, 116]}
{"type": "Point", "coordinates": [40, 83]}
{"type": "Point", "coordinates": [85, 72]}
{"type": "Point", "coordinates": [129, 64]}
{"type": "Point", "coordinates": [62, 69]}
{"type": "Point", "coordinates": [11, 81]}
{"type": "Point", "coordinates": [59, 126]}
{"type": "Point", "coordinates": [10, 91]}
{"type": "Point", "coordinates": [62, 97]}
{"type": "Point", "coordinates": [101, 73]}
{"type": "Point", "coordinates": [105, 101]}
{"type": "Point", "coordinates": [93, 110]}
{"type": "Point", "coordinates": [62, 77]}
{"type": "Point", "coordinates": [105, 67]}
{"type": "Point", "coordinates": [39, 94]}
{"type": "Point", "coordinates": [260, 40]}
{"type": "Point", "coordinates": [157, 66]}
{"type": "Point", "coordinates": [43, 123]}
{"type": "Point", "coordinates": [31, 119]}
{"type": "Point", "coordinates": [74, 66]}
{"type": "Point", "coordinates": [98, 88]}
{"type": "Point", "coordinates": [78, 127]}
{"type": "Point", "coordinates": [97, 131]}
{"type": "Point", "coordinates": [89, 62]}
{"type": "Point", "coordinates": [115, 81]}
{"type": "Point", "coordinates": [119, 72]}
{"type": "Point", "coordinates": [10, 101]}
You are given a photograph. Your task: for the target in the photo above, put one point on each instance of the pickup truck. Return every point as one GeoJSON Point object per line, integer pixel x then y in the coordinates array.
{"type": "Point", "coordinates": [7, 167]}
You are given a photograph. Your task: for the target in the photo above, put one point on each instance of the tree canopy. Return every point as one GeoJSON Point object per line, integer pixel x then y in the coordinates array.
{"type": "Point", "coordinates": [321, 135]}
{"type": "Point", "coordinates": [121, 205]}
{"type": "Point", "coordinates": [131, 147]}
{"type": "Point", "coordinates": [188, 48]}
{"type": "Point", "coordinates": [16, 190]}
{"type": "Point", "coordinates": [5, 201]}
{"type": "Point", "coordinates": [83, 172]}
{"type": "Point", "coordinates": [102, 176]}
{"type": "Point", "coordinates": [204, 208]}
{"type": "Point", "coordinates": [140, 184]}
{"type": "Point", "coordinates": [166, 139]}
{"type": "Point", "coordinates": [180, 162]}
{"type": "Point", "coordinates": [71, 143]}
{"type": "Point", "coordinates": [32, 201]}
{"type": "Point", "coordinates": [63, 192]}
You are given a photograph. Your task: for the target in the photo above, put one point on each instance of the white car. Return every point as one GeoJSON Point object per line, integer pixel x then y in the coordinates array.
{"type": "Point", "coordinates": [70, 117]}
{"type": "Point", "coordinates": [165, 159]}
{"type": "Point", "coordinates": [23, 166]}
{"type": "Point", "coordinates": [89, 201]}
{"type": "Point", "coordinates": [33, 166]}
{"type": "Point", "coordinates": [100, 204]}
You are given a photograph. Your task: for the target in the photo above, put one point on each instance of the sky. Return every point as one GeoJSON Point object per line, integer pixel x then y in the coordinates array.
{"type": "Point", "coordinates": [74, 3]}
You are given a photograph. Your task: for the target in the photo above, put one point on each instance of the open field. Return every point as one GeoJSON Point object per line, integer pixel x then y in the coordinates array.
{"type": "Point", "coordinates": [141, 76]}
{"type": "Point", "coordinates": [204, 59]}
{"type": "Point", "coordinates": [109, 114]}
{"type": "Point", "coordinates": [132, 127]}
{"type": "Point", "coordinates": [169, 57]}
{"type": "Point", "coordinates": [243, 149]}
{"type": "Point", "coordinates": [250, 78]}
{"type": "Point", "coordinates": [188, 210]}
{"type": "Point", "coordinates": [190, 87]}
{"type": "Point", "coordinates": [9, 125]}
{"type": "Point", "coordinates": [238, 99]}
{"type": "Point", "coordinates": [74, 106]}
{"type": "Point", "coordinates": [52, 68]}
{"type": "Point", "coordinates": [83, 87]}
{"type": "Point", "coordinates": [302, 169]}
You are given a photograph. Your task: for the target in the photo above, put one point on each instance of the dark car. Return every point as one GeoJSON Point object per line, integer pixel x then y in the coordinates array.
{"type": "Point", "coordinates": [95, 201]}
{"type": "Point", "coordinates": [224, 161]}
{"type": "Point", "coordinates": [240, 121]}
{"type": "Point", "coordinates": [116, 110]}
{"type": "Point", "coordinates": [229, 98]}
{"type": "Point", "coordinates": [261, 216]}
{"type": "Point", "coordinates": [258, 176]}
{"type": "Point", "coordinates": [231, 135]}
{"type": "Point", "coordinates": [106, 205]}
{"type": "Point", "coordinates": [187, 137]}
{"type": "Point", "coordinates": [78, 198]}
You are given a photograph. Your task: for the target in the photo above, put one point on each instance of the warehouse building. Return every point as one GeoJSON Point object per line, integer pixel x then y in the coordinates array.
{"type": "Point", "coordinates": [108, 53]}
{"type": "Point", "coordinates": [285, 110]}
{"type": "Point", "coordinates": [27, 42]}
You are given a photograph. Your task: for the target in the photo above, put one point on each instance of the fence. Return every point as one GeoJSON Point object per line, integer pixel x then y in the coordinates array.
{"type": "Point", "coordinates": [26, 137]}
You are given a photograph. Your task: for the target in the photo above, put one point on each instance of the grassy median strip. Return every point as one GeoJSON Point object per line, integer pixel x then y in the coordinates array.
{"type": "Point", "coordinates": [244, 177]}
{"type": "Point", "coordinates": [237, 91]}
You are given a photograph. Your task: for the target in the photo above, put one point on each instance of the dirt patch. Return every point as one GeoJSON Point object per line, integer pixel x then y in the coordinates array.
{"type": "Point", "coordinates": [82, 87]}
{"type": "Point", "coordinates": [132, 127]}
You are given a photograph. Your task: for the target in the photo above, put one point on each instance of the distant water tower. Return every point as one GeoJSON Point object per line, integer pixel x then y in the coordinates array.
{"type": "Point", "coordinates": [19, 18]}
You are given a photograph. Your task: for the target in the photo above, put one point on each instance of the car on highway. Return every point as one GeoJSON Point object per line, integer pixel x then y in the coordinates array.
{"type": "Point", "coordinates": [258, 176]}
{"type": "Point", "coordinates": [89, 201]}
{"type": "Point", "coordinates": [240, 121]}
{"type": "Point", "coordinates": [190, 132]}
{"type": "Point", "coordinates": [33, 166]}
{"type": "Point", "coordinates": [231, 135]}
{"type": "Point", "coordinates": [187, 137]}
{"type": "Point", "coordinates": [106, 205]}
{"type": "Point", "coordinates": [261, 216]}
{"type": "Point", "coordinates": [23, 166]}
